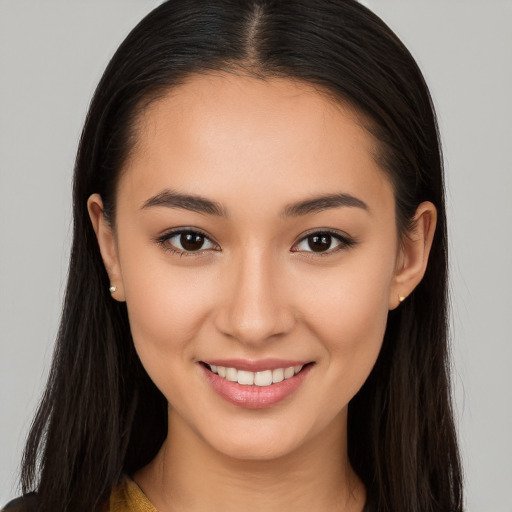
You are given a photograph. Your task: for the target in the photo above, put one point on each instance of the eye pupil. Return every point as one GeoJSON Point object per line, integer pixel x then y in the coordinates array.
{"type": "Point", "coordinates": [319, 242]}
{"type": "Point", "coordinates": [191, 241]}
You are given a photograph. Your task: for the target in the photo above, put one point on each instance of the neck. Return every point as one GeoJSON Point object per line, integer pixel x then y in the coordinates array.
{"type": "Point", "coordinates": [190, 475]}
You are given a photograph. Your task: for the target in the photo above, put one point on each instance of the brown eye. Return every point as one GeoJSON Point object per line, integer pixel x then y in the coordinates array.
{"type": "Point", "coordinates": [319, 242]}
{"type": "Point", "coordinates": [323, 243]}
{"type": "Point", "coordinates": [191, 241]}
{"type": "Point", "coordinates": [186, 242]}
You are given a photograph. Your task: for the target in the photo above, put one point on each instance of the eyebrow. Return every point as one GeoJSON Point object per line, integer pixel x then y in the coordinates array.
{"type": "Point", "coordinates": [173, 199]}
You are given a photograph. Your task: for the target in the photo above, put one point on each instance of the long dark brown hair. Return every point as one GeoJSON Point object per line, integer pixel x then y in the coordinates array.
{"type": "Point", "coordinates": [101, 416]}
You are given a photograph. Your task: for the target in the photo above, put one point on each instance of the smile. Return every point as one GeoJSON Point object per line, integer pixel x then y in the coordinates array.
{"type": "Point", "coordinates": [261, 378]}
{"type": "Point", "coordinates": [255, 385]}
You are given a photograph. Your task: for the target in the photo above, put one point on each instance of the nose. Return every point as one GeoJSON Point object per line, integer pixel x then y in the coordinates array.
{"type": "Point", "coordinates": [256, 306]}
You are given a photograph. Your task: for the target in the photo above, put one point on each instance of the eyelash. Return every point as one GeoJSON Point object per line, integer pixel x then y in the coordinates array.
{"type": "Point", "coordinates": [345, 242]}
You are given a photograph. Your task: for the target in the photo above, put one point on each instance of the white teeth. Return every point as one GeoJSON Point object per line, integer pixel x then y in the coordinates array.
{"type": "Point", "coordinates": [289, 372]}
{"type": "Point", "coordinates": [277, 375]}
{"type": "Point", "coordinates": [246, 378]}
{"type": "Point", "coordinates": [232, 374]}
{"type": "Point", "coordinates": [263, 378]}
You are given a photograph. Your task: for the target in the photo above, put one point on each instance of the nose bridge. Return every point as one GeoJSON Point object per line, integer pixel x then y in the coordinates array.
{"type": "Point", "coordinates": [256, 307]}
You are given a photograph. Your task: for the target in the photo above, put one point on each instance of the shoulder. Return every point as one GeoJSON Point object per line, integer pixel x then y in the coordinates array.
{"type": "Point", "coordinates": [27, 503]}
{"type": "Point", "coordinates": [128, 496]}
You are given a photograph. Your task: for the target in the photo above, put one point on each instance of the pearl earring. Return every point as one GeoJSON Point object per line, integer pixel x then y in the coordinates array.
{"type": "Point", "coordinates": [112, 288]}
{"type": "Point", "coordinates": [401, 298]}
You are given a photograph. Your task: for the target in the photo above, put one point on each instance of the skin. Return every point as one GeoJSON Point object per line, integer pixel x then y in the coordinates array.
{"type": "Point", "coordinates": [256, 289]}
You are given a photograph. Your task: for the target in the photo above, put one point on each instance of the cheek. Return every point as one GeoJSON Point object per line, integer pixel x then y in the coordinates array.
{"type": "Point", "coordinates": [350, 321]}
{"type": "Point", "coordinates": [352, 297]}
{"type": "Point", "coordinates": [166, 308]}
{"type": "Point", "coordinates": [353, 325]}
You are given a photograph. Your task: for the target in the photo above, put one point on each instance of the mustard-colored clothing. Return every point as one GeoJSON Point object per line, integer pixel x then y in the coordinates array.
{"type": "Point", "coordinates": [128, 497]}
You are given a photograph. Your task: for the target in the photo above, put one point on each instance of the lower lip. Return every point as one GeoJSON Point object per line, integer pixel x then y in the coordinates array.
{"type": "Point", "coordinates": [255, 397]}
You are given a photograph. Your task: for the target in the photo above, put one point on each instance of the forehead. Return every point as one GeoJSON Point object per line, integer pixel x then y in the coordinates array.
{"type": "Point", "coordinates": [251, 106]}
{"type": "Point", "coordinates": [216, 132]}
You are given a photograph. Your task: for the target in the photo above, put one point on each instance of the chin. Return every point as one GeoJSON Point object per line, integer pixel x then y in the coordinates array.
{"type": "Point", "coordinates": [259, 441]}
{"type": "Point", "coordinates": [255, 450]}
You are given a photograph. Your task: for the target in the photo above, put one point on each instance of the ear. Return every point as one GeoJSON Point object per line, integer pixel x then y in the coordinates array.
{"type": "Point", "coordinates": [107, 244]}
{"type": "Point", "coordinates": [414, 252]}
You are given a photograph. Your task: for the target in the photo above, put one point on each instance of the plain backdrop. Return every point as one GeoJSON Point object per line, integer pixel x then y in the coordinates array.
{"type": "Point", "coordinates": [52, 54]}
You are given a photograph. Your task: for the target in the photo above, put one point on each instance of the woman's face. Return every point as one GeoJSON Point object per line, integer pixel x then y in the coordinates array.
{"type": "Point", "coordinates": [254, 231]}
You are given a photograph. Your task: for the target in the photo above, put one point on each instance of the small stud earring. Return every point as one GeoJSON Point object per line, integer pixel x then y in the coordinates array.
{"type": "Point", "coordinates": [401, 298]}
{"type": "Point", "coordinates": [112, 288]}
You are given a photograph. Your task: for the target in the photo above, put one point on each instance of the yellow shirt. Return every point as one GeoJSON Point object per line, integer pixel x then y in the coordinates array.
{"type": "Point", "coordinates": [128, 497]}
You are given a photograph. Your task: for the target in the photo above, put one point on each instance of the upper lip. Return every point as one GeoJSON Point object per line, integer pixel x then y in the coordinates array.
{"type": "Point", "coordinates": [256, 366]}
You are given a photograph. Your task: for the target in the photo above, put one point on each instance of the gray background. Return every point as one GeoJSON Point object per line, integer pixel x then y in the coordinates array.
{"type": "Point", "coordinates": [52, 54]}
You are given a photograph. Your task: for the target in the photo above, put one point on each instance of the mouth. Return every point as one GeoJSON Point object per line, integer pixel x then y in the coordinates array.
{"type": "Point", "coordinates": [262, 378]}
{"type": "Point", "coordinates": [269, 384]}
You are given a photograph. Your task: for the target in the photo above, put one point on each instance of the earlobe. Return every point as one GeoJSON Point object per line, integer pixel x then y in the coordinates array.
{"type": "Point", "coordinates": [414, 254]}
{"type": "Point", "coordinates": [107, 245]}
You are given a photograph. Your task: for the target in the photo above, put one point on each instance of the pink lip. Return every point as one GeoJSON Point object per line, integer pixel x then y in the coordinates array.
{"type": "Point", "coordinates": [256, 366]}
{"type": "Point", "coordinates": [254, 397]}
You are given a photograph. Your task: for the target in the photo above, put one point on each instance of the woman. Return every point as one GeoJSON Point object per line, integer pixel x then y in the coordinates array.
{"type": "Point", "coordinates": [256, 307]}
